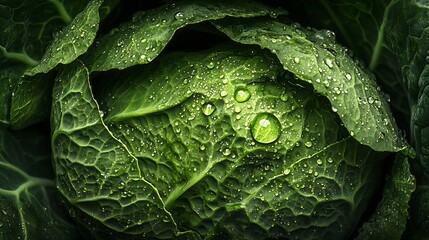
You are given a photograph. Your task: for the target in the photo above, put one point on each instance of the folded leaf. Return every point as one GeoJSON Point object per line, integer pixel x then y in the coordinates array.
{"type": "Point", "coordinates": [142, 39]}
{"type": "Point", "coordinates": [32, 94]}
{"type": "Point", "coordinates": [315, 57]}
{"type": "Point", "coordinates": [390, 218]}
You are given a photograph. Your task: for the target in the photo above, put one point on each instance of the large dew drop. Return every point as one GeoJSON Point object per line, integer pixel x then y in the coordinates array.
{"type": "Point", "coordinates": [208, 109]}
{"type": "Point", "coordinates": [179, 16]}
{"type": "Point", "coordinates": [241, 95]}
{"type": "Point", "coordinates": [266, 128]}
{"type": "Point", "coordinates": [329, 62]}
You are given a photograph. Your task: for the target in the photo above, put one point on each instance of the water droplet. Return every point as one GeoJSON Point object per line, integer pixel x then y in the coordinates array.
{"type": "Point", "coordinates": [223, 93]}
{"type": "Point", "coordinates": [296, 60]}
{"type": "Point", "coordinates": [329, 62]}
{"type": "Point", "coordinates": [334, 109]}
{"type": "Point", "coordinates": [208, 109]}
{"type": "Point", "coordinates": [265, 128]}
{"type": "Point", "coordinates": [237, 109]}
{"type": "Point", "coordinates": [370, 100]}
{"type": "Point", "coordinates": [377, 103]}
{"type": "Point", "coordinates": [202, 147]}
{"type": "Point", "coordinates": [308, 144]}
{"type": "Point", "coordinates": [330, 35]}
{"type": "Point", "coordinates": [286, 171]}
{"type": "Point", "coordinates": [210, 65]}
{"type": "Point", "coordinates": [319, 162]}
{"type": "Point", "coordinates": [386, 122]}
{"type": "Point", "coordinates": [284, 97]}
{"type": "Point", "coordinates": [226, 152]}
{"type": "Point", "coordinates": [348, 76]}
{"type": "Point", "coordinates": [192, 117]}
{"type": "Point", "coordinates": [241, 95]}
{"type": "Point", "coordinates": [179, 16]}
{"type": "Point", "coordinates": [325, 35]}
{"type": "Point", "coordinates": [273, 14]}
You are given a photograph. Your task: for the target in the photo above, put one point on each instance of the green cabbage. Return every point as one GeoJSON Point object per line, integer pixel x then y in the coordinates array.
{"type": "Point", "coordinates": [209, 120]}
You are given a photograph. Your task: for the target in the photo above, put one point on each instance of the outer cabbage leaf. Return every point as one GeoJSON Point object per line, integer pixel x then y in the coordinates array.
{"type": "Point", "coordinates": [72, 41]}
{"type": "Point", "coordinates": [96, 173]}
{"type": "Point", "coordinates": [419, 218]}
{"type": "Point", "coordinates": [142, 39]}
{"type": "Point", "coordinates": [315, 57]}
{"type": "Point", "coordinates": [409, 30]}
{"type": "Point", "coordinates": [29, 208]}
{"type": "Point", "coordinates": [31, 99]}
{"type": "Point", "coordinates": [416, 73]}
{"type": "Point", "coordinates": [28, 27]}
{"type": "Point", "coordinates": [9, 76]}
{"type": "Point", "coordinates": [33, 92]}
{"type": "Point", "coordinates": [365, 28]}
{"type": "Point", "coordinates": [390, 218]}
{"type": "Point", "coordinates": [192, 120]}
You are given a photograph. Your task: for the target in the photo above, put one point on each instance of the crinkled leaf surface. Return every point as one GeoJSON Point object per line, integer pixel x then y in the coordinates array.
{"type": "Point", "coordinates": [33, 92]}
{"type": "Point", "coordinates": [28, 203]}
{"type": "Point", "coordinates": [365, 27]}
{"type": "Point", "coordinates": [142, 39]}
{"type": "Point", "coordinates": [416, 73]}
{"type": "Point", "coordinates": [28, 27]}
{"type": "Point", "coordinates": [395, 33]}
{"type": "Point", "coordinates": [411, 17]}
{"type": "Point", "coordinates": [72, 41]}
{"type": "Point", "coordinates": [195, 123]}
{"type": "Point", "coordinates": [194, 155]}
{"type": "Point", "coordinates": [315, 57]}
{"type": "Point", "coordinates": [95, 171]}
{"type": "Point", "coordinates": [390, 217]}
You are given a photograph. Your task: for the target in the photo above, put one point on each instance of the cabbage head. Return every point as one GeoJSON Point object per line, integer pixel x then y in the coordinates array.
{"type": "Point", "coordinates": [216, 120]}
{"type": "Point", "coordinates": [239, 141]}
